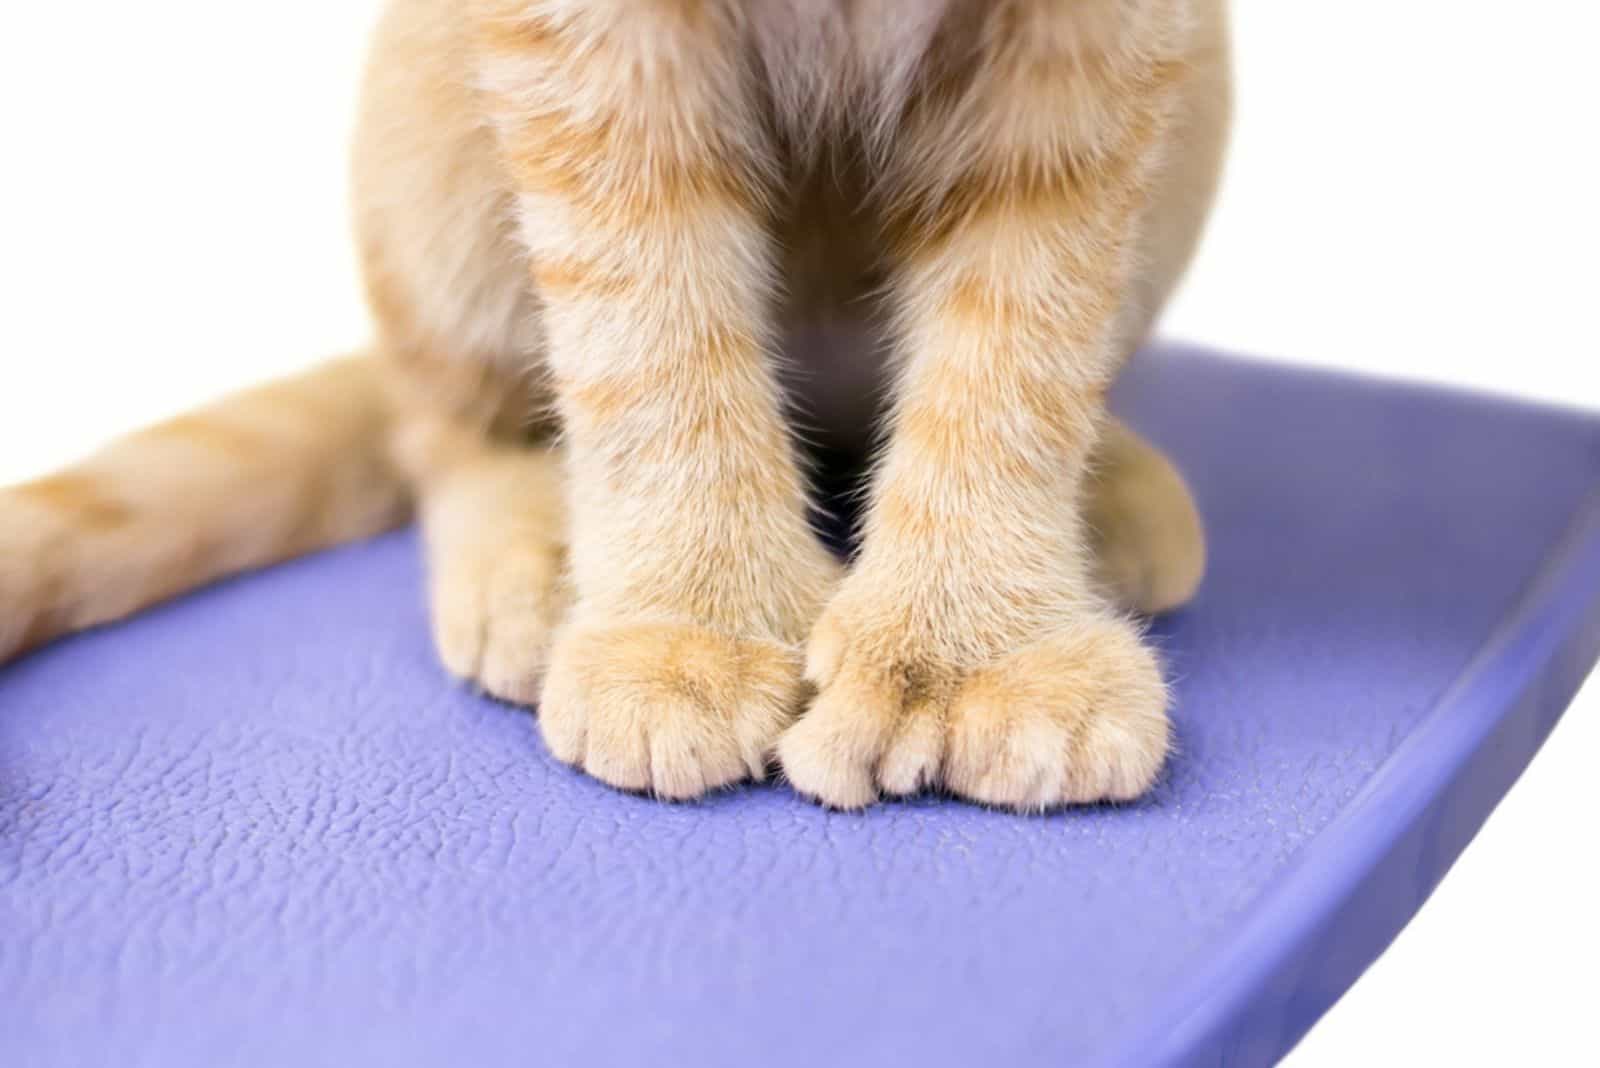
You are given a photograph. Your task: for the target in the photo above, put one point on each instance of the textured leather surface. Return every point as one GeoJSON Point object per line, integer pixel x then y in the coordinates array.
{"type": "Point", "coordinates": [260, 827]}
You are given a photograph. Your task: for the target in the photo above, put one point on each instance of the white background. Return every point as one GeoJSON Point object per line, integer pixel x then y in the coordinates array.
{"type": "Point", "coordinates": [1411, 193]}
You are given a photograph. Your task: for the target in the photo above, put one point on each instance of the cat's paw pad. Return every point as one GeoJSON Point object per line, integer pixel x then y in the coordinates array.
{"type": "Point", "coordinates": [494, 617]}
{"type": "Point", "coordinates": [1075, 718]}
{"type": "Point", "coordinates": [672, 710]}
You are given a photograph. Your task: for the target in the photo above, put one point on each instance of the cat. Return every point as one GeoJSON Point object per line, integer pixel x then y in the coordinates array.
{"type": "Point", "coordinates": [621, 256]}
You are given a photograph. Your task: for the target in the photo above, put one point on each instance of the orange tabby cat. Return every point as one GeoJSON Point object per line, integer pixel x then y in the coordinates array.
{"type": "Point", "coordinates": [589, 228]}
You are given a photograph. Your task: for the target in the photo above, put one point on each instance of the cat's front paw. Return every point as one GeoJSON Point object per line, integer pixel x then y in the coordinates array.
{"type": "Point", "coordinates": [1075, 717]}
{"type": "Point", "coordinates": [673, 710]}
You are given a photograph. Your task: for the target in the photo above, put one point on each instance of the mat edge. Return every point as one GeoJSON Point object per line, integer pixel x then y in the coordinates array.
{"type": "Point", "coordinates": [1524, 676]}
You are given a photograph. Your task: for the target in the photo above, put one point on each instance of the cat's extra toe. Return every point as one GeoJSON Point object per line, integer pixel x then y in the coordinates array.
{"type": "Point", "coordinates": [672, 710]}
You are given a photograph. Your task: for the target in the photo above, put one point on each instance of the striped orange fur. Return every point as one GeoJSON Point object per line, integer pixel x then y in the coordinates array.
{"type": "Point", "coordinates": [245, 482]}
{"type": "Point", "coordinates": [614, 251]}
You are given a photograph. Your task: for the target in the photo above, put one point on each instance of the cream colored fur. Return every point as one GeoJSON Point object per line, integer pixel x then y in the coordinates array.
{"type": "Point", "coordinates": [593, 231]}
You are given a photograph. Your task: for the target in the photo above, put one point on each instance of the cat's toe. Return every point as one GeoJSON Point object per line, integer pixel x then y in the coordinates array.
{"type": "Point", "coordinates": [877, 724]}
{"type": "Point", "coordinates": [831, 754]}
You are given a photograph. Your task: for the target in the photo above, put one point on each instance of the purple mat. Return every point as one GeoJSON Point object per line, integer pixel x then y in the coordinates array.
{"type": "Point", "coordinates": [260, 827]}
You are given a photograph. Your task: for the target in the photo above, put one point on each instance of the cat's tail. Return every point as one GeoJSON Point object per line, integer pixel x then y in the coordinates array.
{"type": "Point", "coordinates": [255, 478]}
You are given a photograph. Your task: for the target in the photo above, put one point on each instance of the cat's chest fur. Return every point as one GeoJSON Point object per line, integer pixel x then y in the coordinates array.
{"type": "Point", "coordinates": [841, 61]}
{"type": "Point", "coordinates": [836, 70]}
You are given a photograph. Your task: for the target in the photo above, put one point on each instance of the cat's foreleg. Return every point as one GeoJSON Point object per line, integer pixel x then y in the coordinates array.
{"type": "Point", "coordinates": [969, 648]}
{"type": "Point", "coordinates": [629, 133]}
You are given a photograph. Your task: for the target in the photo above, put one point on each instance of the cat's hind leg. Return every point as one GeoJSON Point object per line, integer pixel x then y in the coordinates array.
{"type": "Point", "coordinates": [494, 527]}
{"type": "Point", "coordinates": [1148, 539]}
